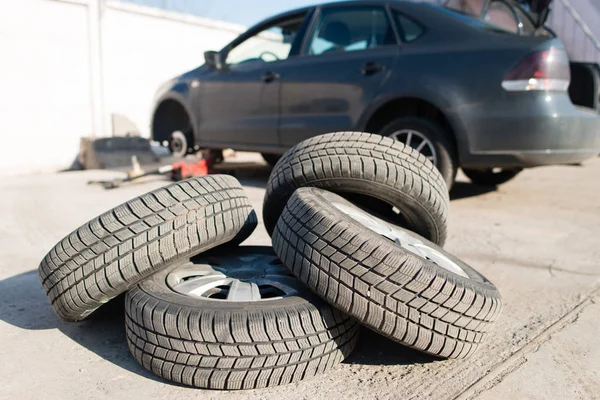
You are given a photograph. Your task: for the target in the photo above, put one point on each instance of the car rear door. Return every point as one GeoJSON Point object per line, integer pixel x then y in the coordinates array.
{"type": "Point", "coordinates": [348, 54]}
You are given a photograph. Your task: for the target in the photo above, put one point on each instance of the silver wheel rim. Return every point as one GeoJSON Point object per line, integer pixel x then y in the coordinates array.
{"type": "Point", "coordinates": [417, 141]}
{"type": "Point", "coordinates": [402, 238]}
{"type": "Point", "coordinates": [239, 278]}
{"type": "Point", "coordinates": [178, 144]}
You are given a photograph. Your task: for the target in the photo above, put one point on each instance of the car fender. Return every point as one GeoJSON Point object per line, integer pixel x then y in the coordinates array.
{"type": "Point", "coordinates": [178, 93]}
{"type": "Point", "coordinates": [446, 104]}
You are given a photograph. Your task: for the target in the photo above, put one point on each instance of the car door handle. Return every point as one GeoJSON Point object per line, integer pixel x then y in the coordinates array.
{"type": "Point", "coordinates": [269, 77]}
{"type": "Point", "coordinates": [371, 68]}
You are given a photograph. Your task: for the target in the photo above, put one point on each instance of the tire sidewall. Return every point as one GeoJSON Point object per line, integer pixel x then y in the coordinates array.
{"type": "Point", "coordinates": [421, 219]}
{"type": "Point", "coordinates": [489, 178]}
{"type": "Point", "coordinates": [325, 200]}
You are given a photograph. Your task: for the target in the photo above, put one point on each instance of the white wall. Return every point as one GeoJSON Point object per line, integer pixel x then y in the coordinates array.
{"type": "Point", "coordinates": [44, 84]}
{"type": "Point", "coordinates": [45, 103]}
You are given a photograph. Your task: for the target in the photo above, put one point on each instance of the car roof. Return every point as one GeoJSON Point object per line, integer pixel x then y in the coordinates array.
{"type": "Point", "coordinates": [336, 3]}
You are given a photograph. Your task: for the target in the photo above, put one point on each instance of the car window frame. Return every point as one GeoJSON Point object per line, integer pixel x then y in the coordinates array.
{"type": "Point", "coordinates": [266, 24]}
{"type": "Point", "coordinates": [400, 29]}
{"type": "Point", "coordinates": [317, 12]}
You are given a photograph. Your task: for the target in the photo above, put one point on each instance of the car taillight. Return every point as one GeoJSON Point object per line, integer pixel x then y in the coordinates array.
{"type": "Point", "coordinates": [543, 70]}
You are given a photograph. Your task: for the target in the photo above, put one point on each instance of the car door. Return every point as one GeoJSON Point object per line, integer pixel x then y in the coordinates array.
{"type": "Point", "coordinates": [238, 102]}
{"type": "Point", "coordinates": [347, 55]}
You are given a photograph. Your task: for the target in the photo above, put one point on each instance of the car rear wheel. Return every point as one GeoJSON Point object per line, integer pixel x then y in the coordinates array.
{"type": "Point", "coordinates": [491, 176]}
{"type": "Point", "coordinates": [428, 138]}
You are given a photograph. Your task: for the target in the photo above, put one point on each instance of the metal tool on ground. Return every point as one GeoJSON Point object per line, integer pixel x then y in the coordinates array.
{"type": "Point", "coordinates": [179, 170]}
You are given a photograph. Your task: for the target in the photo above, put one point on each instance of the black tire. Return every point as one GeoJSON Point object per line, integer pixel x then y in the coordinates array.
{"type": "Point", "coordinates": [447, 162]}
{"type": "Point", "coordinates": [113, 252]}
{"type": "Point", "coordinates": [388, 288]}
{"type": "Point", "coordinates": [271, 159]}
{"type": "Point", "coordinates": [489, 177]}
{"type": "Point", "coordinates": [220, 344]}
{"type": "Point", "coordinates": [369, 169]}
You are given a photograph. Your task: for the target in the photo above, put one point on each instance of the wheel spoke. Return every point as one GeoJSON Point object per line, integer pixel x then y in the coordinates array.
{"type": "Point", "coordinates": [243, 291]}
{"type": "Point", "coordinates": [421, 146]}
{"type": "Point", "coordinates": [408, 138]}
{"type": "Point", "coordinates": [421, 143]}
{"type": "Point", "coordinates": [200, 284]}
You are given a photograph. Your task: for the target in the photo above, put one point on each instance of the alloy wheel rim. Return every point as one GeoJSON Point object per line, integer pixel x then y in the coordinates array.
{"type": "Point", "coordinates": [238, 278]}
{"type": "Point", "coordinates": [403, 238]}
{"type": "Point", "coordinates": [418, 141]}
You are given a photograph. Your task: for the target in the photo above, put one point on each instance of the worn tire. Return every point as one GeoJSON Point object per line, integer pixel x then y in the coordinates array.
{"type": "Point", "coordinates": [487, 177]}
{"type": "Point", "coordinates": [447, 160]}
{"type": "Point", "coordinates": [234, 345]}
{"type": "Point", "coordinates": [111, 253]}
{"type": "Point", "coordinates": [373, 167]}
{"type": "Point", "coordinates": [391, 290]}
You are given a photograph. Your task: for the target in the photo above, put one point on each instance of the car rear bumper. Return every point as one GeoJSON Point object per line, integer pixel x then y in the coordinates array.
{"type": "Point", "coordinates": [532, 130]}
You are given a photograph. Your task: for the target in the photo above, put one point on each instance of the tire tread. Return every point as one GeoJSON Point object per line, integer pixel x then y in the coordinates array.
{"type": "Point", "coordinates": [114, 251]}
{"type": "Point", "coordinates": [242, 349]}
{"type": "Point", "coordinates": [358, 156]}
{"type": "Point", "coordinates": [384, 287]}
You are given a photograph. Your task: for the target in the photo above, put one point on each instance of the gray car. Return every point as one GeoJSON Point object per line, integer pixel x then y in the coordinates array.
{"type": "Point", "coordinates": [473, 92]}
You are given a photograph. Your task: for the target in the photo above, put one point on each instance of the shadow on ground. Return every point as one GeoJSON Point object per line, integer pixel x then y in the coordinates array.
{"type": "Point", "coordinates": [463, 190]}
{"type": "Point", "coordinates": [252, 175]}
{"type": "Point", "coordinates": [374, 349]}
{"type": "Point", "coordinates": [24, 304]}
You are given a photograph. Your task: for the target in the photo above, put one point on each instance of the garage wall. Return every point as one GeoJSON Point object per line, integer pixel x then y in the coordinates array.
{"type": "Point", "coordinates": [44, 83]}
{"type": "Point", "coordinates": [45, 76]}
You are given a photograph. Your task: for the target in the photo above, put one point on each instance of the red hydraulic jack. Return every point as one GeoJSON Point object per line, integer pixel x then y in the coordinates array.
{"type": "Point", "coordinates": [178, 171]}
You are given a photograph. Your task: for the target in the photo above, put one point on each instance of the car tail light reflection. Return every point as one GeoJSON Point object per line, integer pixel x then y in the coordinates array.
{"type": "Point", "coordinates": [543, 70]}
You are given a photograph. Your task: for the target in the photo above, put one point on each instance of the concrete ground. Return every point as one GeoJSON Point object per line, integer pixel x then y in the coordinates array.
{"type": "Point", "coordinates": [537, 238]}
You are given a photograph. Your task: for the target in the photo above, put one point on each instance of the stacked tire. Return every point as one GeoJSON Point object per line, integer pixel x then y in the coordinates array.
{"type": "Point", "coordinates": [357, 224]}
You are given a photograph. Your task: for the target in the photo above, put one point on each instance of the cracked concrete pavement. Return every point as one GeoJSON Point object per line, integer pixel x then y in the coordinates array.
{"type": "Point", "coordinates": [537, 238]}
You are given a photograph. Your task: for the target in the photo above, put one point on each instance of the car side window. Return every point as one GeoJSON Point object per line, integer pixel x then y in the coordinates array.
{"type": "Point", "coordinates": [410, 30]}
{"type": "Point", "coordinates": [341, 29]}
{"type": "Point", "coordinates": [273, 43]}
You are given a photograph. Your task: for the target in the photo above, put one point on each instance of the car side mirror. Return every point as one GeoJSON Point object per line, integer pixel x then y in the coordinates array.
{"type": "Point", "coordinates": [213, 59]}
